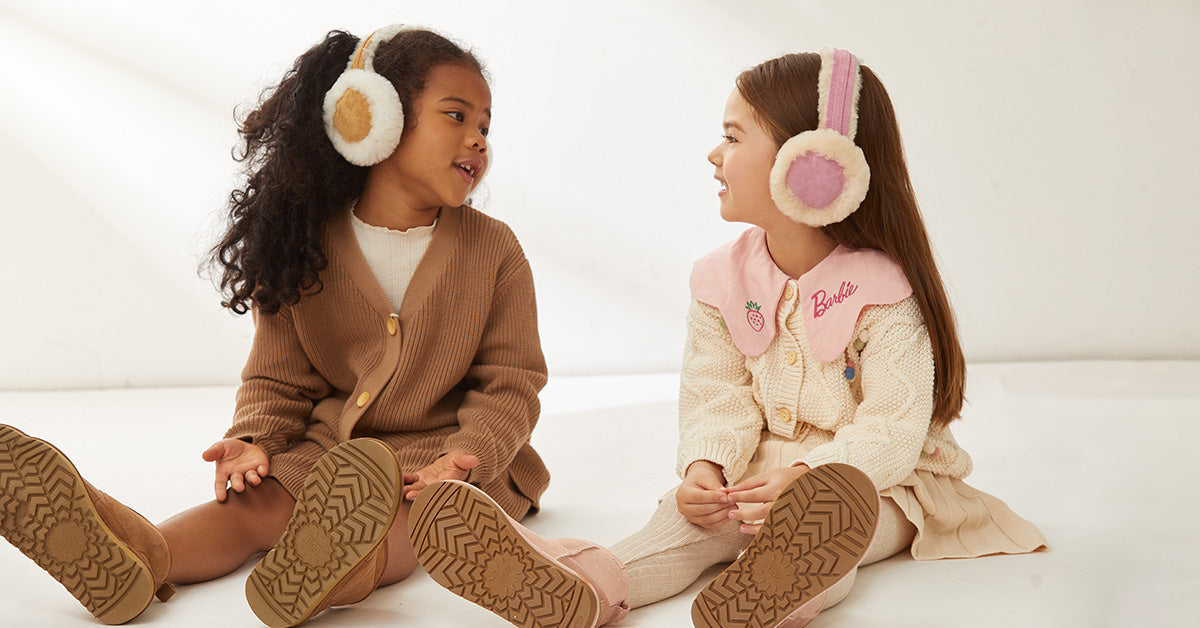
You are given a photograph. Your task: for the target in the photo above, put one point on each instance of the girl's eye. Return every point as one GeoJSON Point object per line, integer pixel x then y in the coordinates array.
{"type": "Point", "coordinates": [483, 130]}
{"type": "Point", "coordinates": [457, 115]}
{"type": "Point", "coordinates": [729, 139]}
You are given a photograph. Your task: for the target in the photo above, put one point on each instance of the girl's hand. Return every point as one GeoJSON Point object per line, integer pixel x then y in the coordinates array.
{"type": "Point", "coordinates": [238, 463]}
{"type": "Point", "coordinates": [701, 497]}
{"type": "Point", "coordinates": [454, 465]}
{"type": "Point", "coordinates": [755, 496]}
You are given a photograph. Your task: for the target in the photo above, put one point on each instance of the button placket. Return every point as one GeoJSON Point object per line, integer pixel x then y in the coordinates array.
{"type": "Point", "coordinates": [792, 366]}
{"type": "Point", "coordinates": [788, 363]}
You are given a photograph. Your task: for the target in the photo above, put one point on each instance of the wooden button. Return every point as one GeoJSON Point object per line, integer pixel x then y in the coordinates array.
{"type": "Point", "coordinates": [784, 415]}
{"type": "Point", "coordinates": [363, 399]}
{"type": "Point", "coordinates": [392, 326]}
{"type": "Point", "coordinates": [789, 292]}
{"type": "Point", "coordinates": [791, 357]}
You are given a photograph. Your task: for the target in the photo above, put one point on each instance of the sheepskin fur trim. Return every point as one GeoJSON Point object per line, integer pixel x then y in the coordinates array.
{"type": "Point", "coordinates": [835, 147]}
{"type": "Point", "coordinates": [385, 117]}
{"type": "Point", "coordinates": [824, 81]}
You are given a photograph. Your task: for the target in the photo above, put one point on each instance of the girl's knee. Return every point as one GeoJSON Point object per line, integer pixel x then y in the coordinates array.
{"type": "Point", "coordinates": [260, 512]}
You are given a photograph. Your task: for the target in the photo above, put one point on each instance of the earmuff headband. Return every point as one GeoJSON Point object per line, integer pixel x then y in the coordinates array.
{"type": "Point", "coordinates": [820, 177]}
{"type": "Point", "coordinates": [363, 114]}
{"type": "Point", "coordinates": [360, 60]}
{"type": "Point", "coordinates": [364, 55]}
{"type": "Point", "coordinates": [839, 87]}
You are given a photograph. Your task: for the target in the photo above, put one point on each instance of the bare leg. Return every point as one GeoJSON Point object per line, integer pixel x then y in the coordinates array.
{"type": "Point", "coordinates": [214, 539]}
{"type": "Point", "coordinates": [401, 558]}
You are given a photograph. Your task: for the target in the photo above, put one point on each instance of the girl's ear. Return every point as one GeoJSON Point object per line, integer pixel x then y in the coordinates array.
{"type": "Point", "coordinates": [363, 115]}
{"type": "Point", "coordinates": [820, 177]}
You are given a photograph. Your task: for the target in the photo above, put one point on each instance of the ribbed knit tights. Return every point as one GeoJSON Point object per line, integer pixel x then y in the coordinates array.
{"type": "Point", "coordinates": [670, 553]}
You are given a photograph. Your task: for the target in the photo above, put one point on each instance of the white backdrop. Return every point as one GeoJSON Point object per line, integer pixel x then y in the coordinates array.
{"type": "Point", "coordinates": [1052, 145]}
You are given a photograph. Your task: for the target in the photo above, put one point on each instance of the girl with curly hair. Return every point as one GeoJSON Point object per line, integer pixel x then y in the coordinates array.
{"type": "Point", "coordinates": [395, 344]}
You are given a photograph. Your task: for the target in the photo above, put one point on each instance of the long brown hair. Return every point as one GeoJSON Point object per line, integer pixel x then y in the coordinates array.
{"type": "Point", "coordinates": [783, 95]}
{"type": "Point", "coordinates": [295, 180]}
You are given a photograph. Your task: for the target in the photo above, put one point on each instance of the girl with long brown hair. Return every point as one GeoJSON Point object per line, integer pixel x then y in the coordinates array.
{"type": "Point", "coordinates": [820, 377]}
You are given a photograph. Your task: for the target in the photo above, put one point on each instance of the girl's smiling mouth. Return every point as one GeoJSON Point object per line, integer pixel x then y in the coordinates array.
{"type": "Point", "coordinates": [469, 169]}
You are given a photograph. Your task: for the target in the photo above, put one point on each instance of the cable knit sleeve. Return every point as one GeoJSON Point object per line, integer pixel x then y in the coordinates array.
{"type": "Point", "coordinates": [279, 386]}
{"type": "Point", "coordinates": [889, 427]}
{"type": "Point", "coordinates": [501, 407]}
{"type": "Point", "coordinates": [719, 420]}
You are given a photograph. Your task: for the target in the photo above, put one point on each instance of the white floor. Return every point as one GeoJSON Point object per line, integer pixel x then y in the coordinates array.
{"type": "Point", "coordinates": [1100, 455]}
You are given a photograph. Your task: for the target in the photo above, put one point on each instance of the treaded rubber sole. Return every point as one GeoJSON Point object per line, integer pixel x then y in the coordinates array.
{"type": "Point", "coordinates": [466, 544]}
{"type": "Point", "coordinates": [348, 502]}
{"type": "Point", "coordinates": [816, 532]}
{"type": "Point", "coordinates": [45, 512]}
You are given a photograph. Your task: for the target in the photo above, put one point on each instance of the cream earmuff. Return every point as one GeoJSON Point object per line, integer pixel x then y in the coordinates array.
{"type": "Point", "coordinates": [821, 176]}
{"type": "Point", "coordinates": [363, 115]}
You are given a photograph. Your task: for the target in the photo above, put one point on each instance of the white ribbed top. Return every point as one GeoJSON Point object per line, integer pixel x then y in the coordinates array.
{"type": "Point", "coordinates": [392, 255]}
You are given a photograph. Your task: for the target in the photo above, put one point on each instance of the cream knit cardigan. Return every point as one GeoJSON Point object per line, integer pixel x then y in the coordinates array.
{"type": "Point", "coordinates": [879, 421]}
{"type": "Point", "coordinates": [459, 366]}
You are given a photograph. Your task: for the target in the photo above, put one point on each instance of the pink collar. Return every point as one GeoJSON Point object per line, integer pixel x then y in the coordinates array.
{"type": "Point", "coordinates": [743, 282]}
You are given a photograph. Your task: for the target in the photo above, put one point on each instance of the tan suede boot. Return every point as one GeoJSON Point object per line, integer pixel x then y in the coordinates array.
{"type": "Point", "coordinates": [109, 557]}
{"type": "Point", "coordinates": [333, 551]}
{"type": "Point", "coordinates": [469, 545]}
{"type": "Point", "coordinates": [815, 535]}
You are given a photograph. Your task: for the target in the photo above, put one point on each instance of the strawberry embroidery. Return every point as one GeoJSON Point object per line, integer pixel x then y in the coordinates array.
{"type": "Point", "coordinates": [754, 316]}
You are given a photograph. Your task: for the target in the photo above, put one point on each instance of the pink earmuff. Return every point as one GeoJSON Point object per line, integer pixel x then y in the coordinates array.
{"type": "Point", "coordinates": [820, 177]}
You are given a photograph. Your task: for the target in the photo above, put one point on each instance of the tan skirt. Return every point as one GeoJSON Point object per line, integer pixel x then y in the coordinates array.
{"type": "Point", "coordinates": [953, 520]}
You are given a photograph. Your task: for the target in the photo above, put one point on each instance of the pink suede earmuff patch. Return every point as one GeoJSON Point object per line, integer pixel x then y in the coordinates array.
{"type": "Point", "coordinates": [821, 176]}
{"type": "Point", "coordinates": [816, 180]}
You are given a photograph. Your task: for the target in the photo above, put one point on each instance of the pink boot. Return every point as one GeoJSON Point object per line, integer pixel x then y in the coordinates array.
{"type": "Point", "coordinates": [815, 535]}
{"type": "Point", "coordinates": [470, 546]}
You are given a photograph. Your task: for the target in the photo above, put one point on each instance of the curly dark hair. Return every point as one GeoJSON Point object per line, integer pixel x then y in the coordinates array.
{"type": "Point", "coordinates": [271, 254]}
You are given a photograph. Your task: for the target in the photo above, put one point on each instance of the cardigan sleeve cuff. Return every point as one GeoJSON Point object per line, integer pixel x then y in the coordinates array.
{"type": "Point", "coordinates": [882, 476]}
{"type": "Point", "coordinates": [732, 464]}
{"type": "Point", "coordinates": [479, 447]}
{"type": "Point", "coordinates": [271, 445]}
{"type": "Point", "coordinates": [824, 454]}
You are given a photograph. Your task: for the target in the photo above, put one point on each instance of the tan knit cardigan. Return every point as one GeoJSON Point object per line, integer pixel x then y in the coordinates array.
{"type": "Point", "coordinates": [458, 367]}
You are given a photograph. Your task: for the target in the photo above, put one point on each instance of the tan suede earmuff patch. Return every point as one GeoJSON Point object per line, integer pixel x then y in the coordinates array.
{"type": "Point", "coordinates": [352, 119]}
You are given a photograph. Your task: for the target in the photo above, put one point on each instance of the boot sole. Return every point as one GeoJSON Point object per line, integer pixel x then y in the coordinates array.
{"type": "Point", "coordinates": [343, 513]}
{"type": "Point", "coordinates": [45, 512]}
{"type": "Point", "coordinates": [816, 533]}
{"type": "Point", "coordinates": [465, 542]}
